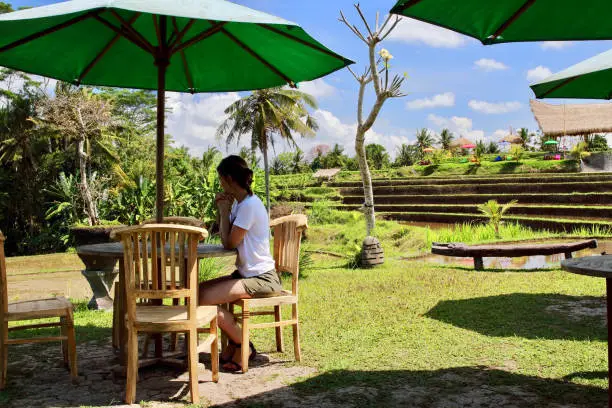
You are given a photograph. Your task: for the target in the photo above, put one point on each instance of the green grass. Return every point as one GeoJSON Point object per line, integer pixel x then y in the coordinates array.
{"type": "Point", "coordinates": [438, 327]}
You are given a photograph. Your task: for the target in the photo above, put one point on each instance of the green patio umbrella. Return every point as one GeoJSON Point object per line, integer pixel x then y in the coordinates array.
{"type": "Point", "coordinates": [164, 45]}
{"type": "Point", "coordinates": [551, 142]}
{"type": "Point", "coordinates": [589, 79]}
{"type": "Point", "coordinates": [493, 22]}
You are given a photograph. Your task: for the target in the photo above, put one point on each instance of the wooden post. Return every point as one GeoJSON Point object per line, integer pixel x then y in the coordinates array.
{"type": "Point", "coordinates": [161, 61]}
{"type": "Point", "coordinates": [568, 255]}
{"type": "Point", "coordinates": [478, 263]}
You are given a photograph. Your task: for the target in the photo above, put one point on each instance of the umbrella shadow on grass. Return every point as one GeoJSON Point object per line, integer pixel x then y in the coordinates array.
{"type": "Point", "coordinates": [476, 386]}
{"type": "Point", "coordinates": [528, 315]}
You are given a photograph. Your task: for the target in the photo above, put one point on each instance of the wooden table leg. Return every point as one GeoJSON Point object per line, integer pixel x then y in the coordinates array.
{"type": "Point", "coordinates": [122, 330]}
{"type": "Point", "coordinates": [609, 314]}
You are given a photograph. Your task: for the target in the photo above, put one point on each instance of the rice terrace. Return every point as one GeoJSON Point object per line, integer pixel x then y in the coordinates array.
{"type": "Point", "coordinates": [212, 203]}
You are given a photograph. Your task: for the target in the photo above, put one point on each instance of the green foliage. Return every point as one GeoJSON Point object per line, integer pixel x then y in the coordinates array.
{"type": "Point", "coordinates": [407, 155]}
{"type": "Point", "coordinates": [580, 151]}
{"type": "Point", "coordinates": [492, 148]}
{"type": "Point", "coordinates": [377, 156]}
{"type": "Point", "coordinates": [445, 139]}
{"type": "Point", "coordinates": [423, 141]}
{"type": "Point", "coordinates": [495, 212]}
{"type": "Point", "coordinates": [517, 152]}
{"type": "Point", "coordinates": [597, 143]}
{"type": "Point", "coordinates": [66, 209]}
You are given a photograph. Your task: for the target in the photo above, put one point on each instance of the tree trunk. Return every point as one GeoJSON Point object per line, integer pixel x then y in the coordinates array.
{"type": "Point", "coordinates": [264, 151]}
{"type": "Point", "coordinates": [367, 181]}
{"type": "Point", "coordinates": [90, 205]}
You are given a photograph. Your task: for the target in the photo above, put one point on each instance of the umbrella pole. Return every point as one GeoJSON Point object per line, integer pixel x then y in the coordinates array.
{"type": "Point", "coordinates": [162, 62]}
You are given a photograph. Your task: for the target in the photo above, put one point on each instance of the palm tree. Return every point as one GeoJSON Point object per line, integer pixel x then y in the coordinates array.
{"type": "Point", "coordinates": [297, 161]}
{"type": "Point", "coordinates": [445, 139]}
{"type": "Point", "coordinates": [495, 212]}
{"type": "Point", "coordinates": [424, 140]}
{"type": "Point", "coordinates": [524, 135]}
{"type": "Point", "coordinates": [267, 113]}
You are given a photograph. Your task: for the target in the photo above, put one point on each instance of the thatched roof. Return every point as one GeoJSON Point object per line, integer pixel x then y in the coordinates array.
{"type": "Point", "coordinates": [572, 120]}
{"type": "Point", "coordinates": [512, 139]}
{"type": "Point", "coordinates": [461, 141]}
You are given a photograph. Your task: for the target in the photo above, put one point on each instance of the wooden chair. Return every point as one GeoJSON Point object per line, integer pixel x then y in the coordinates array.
{"type": "Point", "coordinates": [150, 278]}
{"type": "Point", "coordinates": [189, 221]}
{"type": "Point", "coordinates": [287, 239]}
{"type": "Point", "coordinates": [32, 310]}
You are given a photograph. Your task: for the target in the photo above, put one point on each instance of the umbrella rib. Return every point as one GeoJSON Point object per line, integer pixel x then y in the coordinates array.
{"type": "Point", "coordinates": [49, 30]}
{"type": "Point", "coordinates": [106, 48]}
{"type": "Point", "coordinates": [157, 32]}
{"type": "Point", "coordinates": [118, 30]}
{"type": "Point", "coordinates": [203, 35]}
{"type": "Point", "coordinates": [182, 33]}
{"type": "Point", "coordinates": [562, 84]}
{"type": "Point", "coordinates": [184, 58]}
{"type": "Point", "coordinates": [133, 31]}
{"type": "Point", "coordinates": [303, 42]}
{"type": "Point", "coordinates": [258, 57]}
{"type": "Point", "coordinates": [508, 22]}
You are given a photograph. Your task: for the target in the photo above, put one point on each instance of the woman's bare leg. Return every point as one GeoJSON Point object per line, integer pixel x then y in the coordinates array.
{"type": "Point", "coordinates": [220, 292]}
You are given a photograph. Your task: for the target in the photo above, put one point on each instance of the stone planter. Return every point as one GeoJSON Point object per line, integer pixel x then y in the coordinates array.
{"type": "Point", "coordinates": [100, 272]}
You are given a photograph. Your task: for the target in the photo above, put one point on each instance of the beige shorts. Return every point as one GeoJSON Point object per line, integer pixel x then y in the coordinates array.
{"type": "Point", "coordinates": [266, 284]}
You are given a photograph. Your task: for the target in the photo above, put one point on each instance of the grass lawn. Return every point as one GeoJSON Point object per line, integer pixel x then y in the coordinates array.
{"type": "Point", "coordinates": [438, 329]}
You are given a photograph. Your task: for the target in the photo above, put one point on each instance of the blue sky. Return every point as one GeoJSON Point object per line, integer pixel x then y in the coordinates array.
{"type": "Point", "coordinates": [453, 81]}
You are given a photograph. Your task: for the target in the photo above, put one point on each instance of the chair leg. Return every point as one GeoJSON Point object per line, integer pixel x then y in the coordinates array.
{"type": "Point", "coordinates": [224, 338]}
{"type": "Point", "coordinates": [214, 350]}
{"type": "Point", "coordinates": [3, 354]}
{"type": "Point", "coordinates": [72, 354]}
{"type": "Point", "coordinates": [296, 333]}
{"type": "Point", "coordinates": [64, 343]}
{"type": "Point", "coordinates": [245, 349]}
{"type": "Point", "coordinates": [279, 330]}
{"type": "Point", "coordinates": [145, 346]}
{"type": "Point", "coordinates": [193, 366]}
{"type": "Point", "coordinates": [132, 366]}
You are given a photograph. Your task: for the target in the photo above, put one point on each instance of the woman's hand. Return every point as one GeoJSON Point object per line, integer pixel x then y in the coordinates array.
{"type": "Point", "coordinates": [224, 202]}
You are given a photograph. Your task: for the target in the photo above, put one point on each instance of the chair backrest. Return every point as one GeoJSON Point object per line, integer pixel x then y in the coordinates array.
{"type": "Point", "coordinates": [287, 240]}
{"type": "Point", "coordinates": [191, 221]}
{"type": "Point", "coordinates": [3, 284]}
{"type": "Point", "coordinates": [161, 262]}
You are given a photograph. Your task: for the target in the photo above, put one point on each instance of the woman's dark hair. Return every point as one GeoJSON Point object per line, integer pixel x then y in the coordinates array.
{"type": "Point", "coordinates": [238, 169]}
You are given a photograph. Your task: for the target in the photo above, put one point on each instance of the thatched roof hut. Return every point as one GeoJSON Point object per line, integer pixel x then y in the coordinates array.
{"type": "Point", "coordinates": [512, 139]}
{"type": "Point", "coordinates": [461, 141]}
{"type": "Point", "coordinates": [572, 120]}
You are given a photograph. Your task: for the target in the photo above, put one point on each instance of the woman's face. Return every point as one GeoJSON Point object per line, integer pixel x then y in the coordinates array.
{"type": "Point", "coordinates": [226, 183]}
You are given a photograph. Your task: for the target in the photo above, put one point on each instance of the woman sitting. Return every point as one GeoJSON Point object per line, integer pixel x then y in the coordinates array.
{"type": "Point", "coordinates": [243, 225]}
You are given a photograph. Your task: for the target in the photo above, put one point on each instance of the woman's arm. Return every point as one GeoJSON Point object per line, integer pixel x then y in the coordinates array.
{"type": "Point", "coordinates": [231, 236]}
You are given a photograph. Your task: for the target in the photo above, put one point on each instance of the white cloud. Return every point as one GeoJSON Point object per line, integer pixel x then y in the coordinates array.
{"type": "Point", "coordinates": [318, 88]}
{"type": "Point", "coordinates": [494, 108]}
{"type": "Point", "coordinates": [333, 130]}
{"type": "Point", "coordinates": [499, 133]}
{"type": "Point", "coordinates": [459, 125]}
{"type": "Point", "coordinates": [414, 31]}
{"type": "Point", "coordinates": [556, 45]}
{"type": "Point", "coordinates": [441, 100]}
{"type": "Point", "coordinates": [538, 73]}
{"type": "Point", "coordinates": [488, 65]}
{"type": "Point", "coordinates": [194, 120]}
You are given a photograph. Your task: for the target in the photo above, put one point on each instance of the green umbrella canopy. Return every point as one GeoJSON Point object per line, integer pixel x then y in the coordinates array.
{"type": "Point", "coordinates": [551, 142]}
{"type": "Point", "coordinates": [213, 45]}
{"type": "Point", "coordinates": [175, 45]}
{"type": "Point", "coordinates": [589, 79]}
{"type": "Point", "coordinates": [502, 21]}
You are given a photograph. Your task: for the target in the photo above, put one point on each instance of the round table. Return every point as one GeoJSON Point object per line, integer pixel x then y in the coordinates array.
{"type": "Point", "coordinates": [599, 267]}
{"type": "Point", "coordinates": [100, 261]}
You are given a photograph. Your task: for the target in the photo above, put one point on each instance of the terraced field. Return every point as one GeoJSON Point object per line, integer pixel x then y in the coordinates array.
{"type": "Point", "coordinates": [559, 202]}
{"type": "Point", "coordinates": [552, 201]}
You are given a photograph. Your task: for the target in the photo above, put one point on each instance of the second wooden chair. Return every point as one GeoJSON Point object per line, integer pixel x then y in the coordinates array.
{"type": "Point", "coordinates": [150, 277]}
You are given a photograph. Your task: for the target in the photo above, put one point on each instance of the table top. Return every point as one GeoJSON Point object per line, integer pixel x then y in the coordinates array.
{"type": "Point", "coordinates": [599, 266]}
{"type": "Point", "coordinates": [115, 250]}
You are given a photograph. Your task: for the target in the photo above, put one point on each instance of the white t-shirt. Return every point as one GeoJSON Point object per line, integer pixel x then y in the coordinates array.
{"type": "Point", "coordinates": [254, 256]}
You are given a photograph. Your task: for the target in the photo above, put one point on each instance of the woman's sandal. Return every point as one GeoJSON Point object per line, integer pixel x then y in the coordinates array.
{"type": "Point", "coordinates": [232, 365]}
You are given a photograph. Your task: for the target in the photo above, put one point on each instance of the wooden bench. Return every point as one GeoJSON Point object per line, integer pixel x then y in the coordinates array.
{"type": "Point", "coordinates": [509, 250]}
